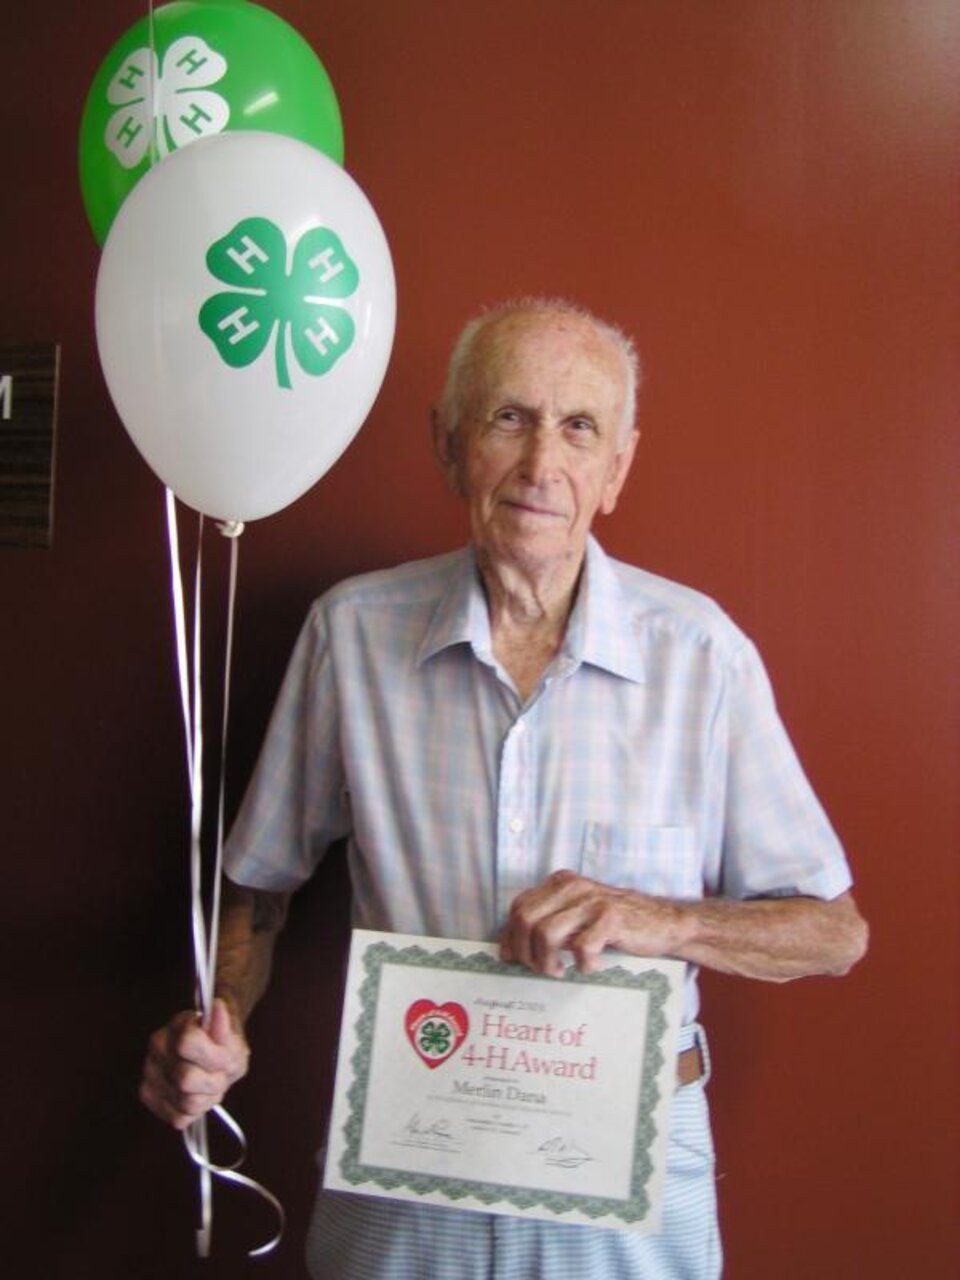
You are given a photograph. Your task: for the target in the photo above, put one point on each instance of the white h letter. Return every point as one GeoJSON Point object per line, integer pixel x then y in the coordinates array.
{"type": "Point", "coordinates": [235, 322]}
{"type": "Point", "coordinates": [331, 267]}
{"type": "Point", "coordinates": [326, 334]}
{"type": "Point", "coordinates": [243, 257]}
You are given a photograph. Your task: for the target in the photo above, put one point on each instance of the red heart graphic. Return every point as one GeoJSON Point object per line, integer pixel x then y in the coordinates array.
{"type": "Point", "coordinates": [436, 1031]}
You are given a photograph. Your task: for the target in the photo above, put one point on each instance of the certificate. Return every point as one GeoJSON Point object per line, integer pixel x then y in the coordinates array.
{"type": "Point", "coordinates": [466, 1082]}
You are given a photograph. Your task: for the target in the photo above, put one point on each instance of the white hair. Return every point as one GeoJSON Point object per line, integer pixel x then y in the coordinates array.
{"type": "Point", "coordinates": [463, 355]}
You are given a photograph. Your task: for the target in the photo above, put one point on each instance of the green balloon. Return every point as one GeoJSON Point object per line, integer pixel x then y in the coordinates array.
{"type": "Point", "coordinates": [209, 66]}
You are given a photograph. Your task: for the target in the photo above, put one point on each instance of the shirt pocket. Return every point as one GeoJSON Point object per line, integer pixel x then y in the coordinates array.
{"type": "Point", "coordinates": [663, 861]}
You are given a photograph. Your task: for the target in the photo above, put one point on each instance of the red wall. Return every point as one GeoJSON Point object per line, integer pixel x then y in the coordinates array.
{"type": "Point", "coordinates": [765, 194]}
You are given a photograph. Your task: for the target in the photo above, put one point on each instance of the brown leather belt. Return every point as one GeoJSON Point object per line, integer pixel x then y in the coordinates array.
{"type": "Point", "coordinates": [689, 1065]}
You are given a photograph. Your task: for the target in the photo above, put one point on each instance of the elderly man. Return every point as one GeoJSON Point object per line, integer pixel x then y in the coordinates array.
{"type": "Point", "coordinates": [526, 740]}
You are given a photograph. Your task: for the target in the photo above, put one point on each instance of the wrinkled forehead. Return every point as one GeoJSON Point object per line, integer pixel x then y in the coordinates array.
{"type": "Point", "coordinates": [541, 356]}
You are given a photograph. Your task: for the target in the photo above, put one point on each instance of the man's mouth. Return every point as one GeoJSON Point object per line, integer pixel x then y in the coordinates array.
{"type": "Point", "coordinates": [530, 508]}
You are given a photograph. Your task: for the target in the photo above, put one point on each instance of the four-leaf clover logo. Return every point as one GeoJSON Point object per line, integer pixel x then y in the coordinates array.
{"type": "Point", "coordinates": [435, 1039]}
{"type": "Point", "coordinates": [166, 103]}
{"type": "Point", "coordinates": [265, 299]}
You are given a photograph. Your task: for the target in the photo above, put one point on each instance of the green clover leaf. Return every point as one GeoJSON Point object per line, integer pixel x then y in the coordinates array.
{"type": "Point", "coordinates": [265, 300]}
{"type": "Point", "coordinates": [435, 1038]}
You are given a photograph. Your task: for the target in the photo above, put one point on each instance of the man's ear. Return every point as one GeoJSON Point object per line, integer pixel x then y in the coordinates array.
{"type": "Point", "coordinates": [445, 448]}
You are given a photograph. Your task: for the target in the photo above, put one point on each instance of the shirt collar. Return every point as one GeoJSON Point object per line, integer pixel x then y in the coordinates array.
{"type": "Point", "coordinates": [600, 632]}
{"type": "Point", "coordinates": [461, 615]}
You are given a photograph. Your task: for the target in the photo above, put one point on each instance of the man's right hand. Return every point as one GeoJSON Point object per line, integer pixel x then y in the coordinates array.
{"type": "Point", "coordinates": [189, 1068]}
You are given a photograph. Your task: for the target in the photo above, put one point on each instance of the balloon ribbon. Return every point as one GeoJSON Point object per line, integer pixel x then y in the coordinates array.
{"type": "Point", "coordinates": [205, 939]}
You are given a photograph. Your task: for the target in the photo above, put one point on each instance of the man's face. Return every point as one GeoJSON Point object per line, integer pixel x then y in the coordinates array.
{"type": "Point", "coordinates": [538, 451]}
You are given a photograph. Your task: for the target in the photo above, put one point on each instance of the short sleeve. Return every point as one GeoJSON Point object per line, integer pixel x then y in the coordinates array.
{"type": "Point", "coordinates": [777, 839]}
{"type": "Point", "coordinates": [296, 803]}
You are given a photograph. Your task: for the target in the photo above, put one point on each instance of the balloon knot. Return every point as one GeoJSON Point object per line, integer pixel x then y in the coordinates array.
{"type": "Point", "coordinates": [231, 528]}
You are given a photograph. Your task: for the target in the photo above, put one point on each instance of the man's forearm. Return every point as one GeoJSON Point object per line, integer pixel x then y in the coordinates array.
{"type": "Point", "coordinates": [774, 939]}
{"type": "Point", "coordinates": [250, 920]}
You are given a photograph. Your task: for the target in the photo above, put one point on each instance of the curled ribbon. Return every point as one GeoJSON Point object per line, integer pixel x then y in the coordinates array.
{"type": "Point", "coordinates": [195, 1141]}
{"type": "Point", "coordinates": [205, 940]}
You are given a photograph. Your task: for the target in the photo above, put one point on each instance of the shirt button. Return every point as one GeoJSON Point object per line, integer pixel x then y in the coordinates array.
{"type": "Point", "coordinates": [516, 825]}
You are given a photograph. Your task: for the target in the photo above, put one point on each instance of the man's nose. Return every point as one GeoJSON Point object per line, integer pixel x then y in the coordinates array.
{"type": "Point", "coordinates": [541, 455]}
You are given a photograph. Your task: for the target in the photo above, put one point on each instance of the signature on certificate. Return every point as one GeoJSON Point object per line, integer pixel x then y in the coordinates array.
{"type": "Point", "coordinates": [438, 1132]}
{"type": "Point", "coordinates": [563, 1153]}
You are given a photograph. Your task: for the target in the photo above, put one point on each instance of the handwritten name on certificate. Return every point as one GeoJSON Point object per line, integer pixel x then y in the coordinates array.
{"type": "Point", "coordinates": [467, 1082]}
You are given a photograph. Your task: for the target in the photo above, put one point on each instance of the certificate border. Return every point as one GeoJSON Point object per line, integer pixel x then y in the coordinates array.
{"type": "Point", "coordinates": [632, 1210]}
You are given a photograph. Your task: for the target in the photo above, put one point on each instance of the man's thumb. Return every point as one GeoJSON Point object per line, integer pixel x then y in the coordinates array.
{"type": "Point", "coordinates": [220, 1030]}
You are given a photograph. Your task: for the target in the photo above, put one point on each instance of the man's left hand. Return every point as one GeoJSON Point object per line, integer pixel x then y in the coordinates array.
{"type": "Point", "coordinates": [569, 912]}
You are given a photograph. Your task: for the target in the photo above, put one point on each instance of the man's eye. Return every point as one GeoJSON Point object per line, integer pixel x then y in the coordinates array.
{"type": "Point", "coordinates": [509, 417]}
{"type": "Point", "coordinates": [581, 426]}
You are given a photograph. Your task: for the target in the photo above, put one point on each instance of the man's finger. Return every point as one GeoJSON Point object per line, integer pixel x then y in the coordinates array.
{"type": "Point", "coordinates": [220, 1028]}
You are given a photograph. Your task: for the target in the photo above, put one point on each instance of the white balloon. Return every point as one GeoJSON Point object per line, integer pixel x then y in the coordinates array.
{"type": "Point", "coordinates": [245, 314]}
